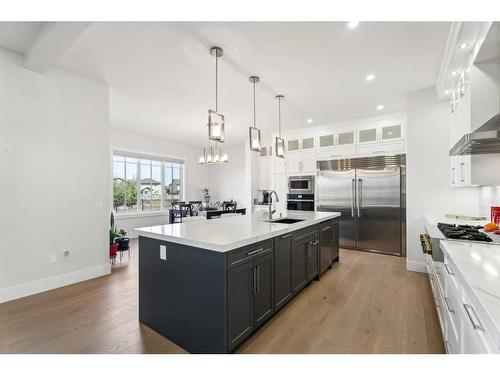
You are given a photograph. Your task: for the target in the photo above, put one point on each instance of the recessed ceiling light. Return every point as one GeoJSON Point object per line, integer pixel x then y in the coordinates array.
{"type": "Point", "coordinates": [309, 120]}
{"type": "Point", "coordinates": [454, 73]}
{"type": "Point", "coordinates": [380, 107]}
{"type": "Point", "coordinates": [352, 24]}
{"type": "Point", "coordinates": [463, 45]}
{"type": "Point", "coordinates": [370, 77]}
{"type": "Point", "coordinates": [446, 92]}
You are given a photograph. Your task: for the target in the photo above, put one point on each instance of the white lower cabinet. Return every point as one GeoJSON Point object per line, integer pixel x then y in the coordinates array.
{"type": "Point", "coordinates": [462, 325]}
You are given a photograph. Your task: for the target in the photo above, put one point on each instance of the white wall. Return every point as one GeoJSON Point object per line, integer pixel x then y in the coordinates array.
{"type": "Point", "coordinates": [54, 143]}
{"type": "Point", "coordinates": [195, 176]}
{"type": "Point", "coordinates": [428, 190]}
{"type": "Point", "coordinates": [488, 196]}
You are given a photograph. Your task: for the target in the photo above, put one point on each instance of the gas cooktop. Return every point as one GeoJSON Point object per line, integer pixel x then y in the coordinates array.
{"type": "Point", "coordinates": [463, 232]}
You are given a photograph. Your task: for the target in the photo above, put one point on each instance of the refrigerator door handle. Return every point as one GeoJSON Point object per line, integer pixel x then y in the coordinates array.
{"type": "Point", "coordinates": [353, 195]}
{"type": "Point", "coordinates": [359, 196]}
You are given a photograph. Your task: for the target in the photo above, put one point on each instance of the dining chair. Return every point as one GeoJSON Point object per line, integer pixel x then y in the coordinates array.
{"type": "Point", "coordinates": [195, 207]}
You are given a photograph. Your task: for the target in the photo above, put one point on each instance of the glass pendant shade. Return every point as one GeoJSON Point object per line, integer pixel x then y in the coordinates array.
{"type": "Point", "coordinates": [253, 132]}
{"type": "Point", "coordinates": [215, 126]}
{"type": "Point", "coordinates": [280, 147]}
{"type": "Point", "coordinates": [254, 139]}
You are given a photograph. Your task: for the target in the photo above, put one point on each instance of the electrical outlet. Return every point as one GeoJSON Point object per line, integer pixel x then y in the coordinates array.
{"type": "Point", "coordinates": [66, 255]}
{"type": "Point", "coordinates": [163, 252]}
{"type": "Point", "coordinates": [52, 258]}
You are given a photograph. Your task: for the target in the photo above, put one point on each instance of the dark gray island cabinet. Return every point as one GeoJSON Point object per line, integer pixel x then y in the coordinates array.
{"type": "Point", "coordinates": [210, 302]}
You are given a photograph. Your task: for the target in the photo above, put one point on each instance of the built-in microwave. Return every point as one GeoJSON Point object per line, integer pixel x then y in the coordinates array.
{"type": "Point", "coordinates": [301, 184]}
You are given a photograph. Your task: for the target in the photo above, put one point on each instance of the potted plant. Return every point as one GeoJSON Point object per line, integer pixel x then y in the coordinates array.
{"type": "Point", "coordinates": [123, 240]}
{"type": "Point", "coordinates": [113, 236]}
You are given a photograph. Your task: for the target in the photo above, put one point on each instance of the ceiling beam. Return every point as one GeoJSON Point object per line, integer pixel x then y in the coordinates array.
{"type": "Point", "coordinates": [54, 39]}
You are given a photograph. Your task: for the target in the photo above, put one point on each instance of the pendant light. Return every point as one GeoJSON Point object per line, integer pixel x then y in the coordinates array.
{"type": "Point", "coordinates": [254, 133]}
{"type": "Point", "coordinates": [214, 155]}
{"type": "Point", "coordinates": [216, 119]}
{"type": "Point", "coordinates": [279, 142]}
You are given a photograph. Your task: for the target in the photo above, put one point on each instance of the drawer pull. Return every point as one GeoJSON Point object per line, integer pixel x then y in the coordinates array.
{"type": "Point", "coordinates": [255, 251]}
{"type": "Point", "coordinates": [446, 300]}
{"type": "Point", "coordinates": [325, 228]}
{"type": "Point", "coordinates": [448, 268]}
{"type": "Point", "coordinates": [286, 236]}
{"type": "Point", "coordinates": [476, 323]}
{"type": "Point", "coordinates": [314, 243]}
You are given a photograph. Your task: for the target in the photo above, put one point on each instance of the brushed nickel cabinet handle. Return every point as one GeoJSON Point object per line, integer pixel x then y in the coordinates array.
{"type": "Point", "coordinates": [325, 228]}
{"type": "Point", "coordinates": [448, 269]}
{"type": "Point", "coordinates": [258, 278]}
{"type": "Point", "coordinates": [254, 280]}
{"type": "Point", "coordinates": [286, 236]}
{"type": "Point", "coordinates": [476, 323]}
{"type": "Point", "coordinates": [255, 251]}
{"type": "Point", "coordinates": [314, 243]}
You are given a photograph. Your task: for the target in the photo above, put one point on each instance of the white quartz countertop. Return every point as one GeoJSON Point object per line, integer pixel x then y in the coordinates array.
{"type": "Point", "coordinates": [478, 265]}
{"type": "Point", "coordinates": [232, 232]}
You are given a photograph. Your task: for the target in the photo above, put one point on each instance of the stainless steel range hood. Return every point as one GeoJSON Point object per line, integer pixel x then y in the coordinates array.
{"type": "Point", "coordinates": [484, 140]}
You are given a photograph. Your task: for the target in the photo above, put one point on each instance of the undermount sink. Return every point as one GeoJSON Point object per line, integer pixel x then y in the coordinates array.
{"type": "Point", "coordinates": [286, 221]}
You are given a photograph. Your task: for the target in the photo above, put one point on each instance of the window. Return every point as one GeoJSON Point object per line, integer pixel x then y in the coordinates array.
{"type": "Point", "coordinates": [145, 184]}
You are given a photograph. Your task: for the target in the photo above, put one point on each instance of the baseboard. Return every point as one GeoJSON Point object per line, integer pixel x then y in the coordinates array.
{"type": "Point", "coordinates": [38, 286]}
{"type": "Point", "coordinates": [416, 266]}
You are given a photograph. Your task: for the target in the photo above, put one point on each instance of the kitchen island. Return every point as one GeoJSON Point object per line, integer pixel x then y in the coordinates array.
{"type": "Point", "coordinates": [209, 285]}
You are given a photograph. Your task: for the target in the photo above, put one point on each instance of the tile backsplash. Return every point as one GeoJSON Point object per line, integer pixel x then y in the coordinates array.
{"type": "Point", "coordinates": [488, 196]}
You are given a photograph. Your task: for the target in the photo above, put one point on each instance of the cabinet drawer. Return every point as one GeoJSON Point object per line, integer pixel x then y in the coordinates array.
{"type": "Point", "coordinates": [449, 275]}
{"type": "Point", "coordinates": [247, 253]}
{"type": "Point", "coordinates": [440, 273]}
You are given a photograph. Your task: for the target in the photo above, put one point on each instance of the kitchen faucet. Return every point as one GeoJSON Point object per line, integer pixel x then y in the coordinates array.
{"type": "Point", "coordinates": [270, 203]}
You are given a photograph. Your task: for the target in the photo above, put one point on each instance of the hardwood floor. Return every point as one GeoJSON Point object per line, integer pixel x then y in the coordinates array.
{"type": "Point", "coordinates": [368, 303]}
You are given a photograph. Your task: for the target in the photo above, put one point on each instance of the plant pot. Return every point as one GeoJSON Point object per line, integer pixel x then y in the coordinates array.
{"type": "Point", "coordinates": [123, 243]}
{"type": "Point", "coordinates": [112, 249]}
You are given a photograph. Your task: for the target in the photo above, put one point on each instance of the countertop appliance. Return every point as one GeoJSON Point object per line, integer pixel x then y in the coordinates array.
{"type": "Point", "coordinates": [301, 185]}
{"type": "Point", "coordinates": [370, 194]}
{"type": "Point", "coordinates": [300, 202]}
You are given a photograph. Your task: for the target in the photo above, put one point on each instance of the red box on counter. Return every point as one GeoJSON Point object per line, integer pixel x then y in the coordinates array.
{"type": "Point", "coordinates": [495, 215]}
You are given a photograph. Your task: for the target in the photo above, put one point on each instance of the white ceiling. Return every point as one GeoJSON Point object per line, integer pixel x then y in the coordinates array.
{"type": "Point", "coordinates": [18, 36]}
{"type": "Point", "coordinates": [161, 75]}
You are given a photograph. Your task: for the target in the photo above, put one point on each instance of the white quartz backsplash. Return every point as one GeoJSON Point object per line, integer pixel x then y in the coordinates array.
{"type": "Point", "coordinates": [488, 196]}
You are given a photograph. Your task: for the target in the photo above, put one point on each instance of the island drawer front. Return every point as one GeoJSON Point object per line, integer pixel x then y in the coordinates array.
{"type": "Point", "coordinates": [250, 252]}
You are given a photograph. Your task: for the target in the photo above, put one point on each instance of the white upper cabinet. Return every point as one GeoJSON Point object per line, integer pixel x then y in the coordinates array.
{"type": "Point", "coordinates": [367, 135]}
{"type": "Point", "coordinates": [391, 132]}
{"type": "Point", "coordinates": [345, 138]}
{"type": "Point", "coordinates": [293, 145]}
{"type": "Point", "coordinates": [326, 140]}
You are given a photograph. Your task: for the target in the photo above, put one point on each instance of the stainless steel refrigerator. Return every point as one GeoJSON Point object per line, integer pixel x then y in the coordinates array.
{"type": "Point", "coordinates": [370, 195]}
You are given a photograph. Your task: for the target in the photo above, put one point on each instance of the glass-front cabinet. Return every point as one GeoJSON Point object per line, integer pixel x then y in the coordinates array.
{"type": "Point", "coordinates": [293, 145]}
{"type": "Point", "coordinates": [390, 132]}
{"type": "Point", "coordinates": [367, 135]}
{"type": "Point", "coordinates": [345, 138]}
